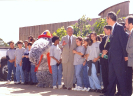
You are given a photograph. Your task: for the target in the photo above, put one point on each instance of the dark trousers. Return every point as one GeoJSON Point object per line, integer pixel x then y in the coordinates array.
{"type": "Point", "coordinates": [117, 72]}
{"type": "Point", "coordinates": [129, 80]}
{"type": "Point", "coordinates": [105, 71]}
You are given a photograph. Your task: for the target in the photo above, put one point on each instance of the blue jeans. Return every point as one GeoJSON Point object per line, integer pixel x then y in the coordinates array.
{"type": "Point", "coordinates": [56, 74]}
{"type": "Point", "coordinates": [11, 68]}
{"type": "Point", "coordinates": [33, 74]}
{"type": "Point", "coordinates": [78, 70]}
{"type": "Point", "coordinates": [94, 81]}
{"type": "Point", "coordinates": [85, 76]}
{"type": "Point", "coordinates": [19, 72]}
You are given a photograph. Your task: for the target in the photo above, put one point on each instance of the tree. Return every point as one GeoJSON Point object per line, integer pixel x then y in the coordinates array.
{"type": "Point", "coordinates": [60, 32]}
{"type": "Point", "coordinates": [99, 24]}
{"type": "Point", "coordinates": [2, 43]}
{"type": "Point", "coordinates": [82, 28]}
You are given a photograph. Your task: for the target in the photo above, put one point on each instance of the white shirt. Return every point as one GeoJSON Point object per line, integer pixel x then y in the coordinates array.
{"type": "Point", "coordinates": [113, 27]}
{"type": "Point", "coordinates": [93, 51]}
{"type": "Point", "coordinates": [70, 38]}
{"type": "Point", "coordinates": [55, 51]}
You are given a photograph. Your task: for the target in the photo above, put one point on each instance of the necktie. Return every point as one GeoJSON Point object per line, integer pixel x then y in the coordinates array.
{"type": "Point", "coordinates": [69, 41]}
{"type": "Point", "coordinates": [106, 42]}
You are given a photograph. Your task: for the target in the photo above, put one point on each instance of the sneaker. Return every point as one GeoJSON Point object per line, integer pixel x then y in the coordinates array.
{"type": "Point", "coordinates": [8, 82]}
{"type": "Point", "coordinates": [18, 83]}
{"type": "Point", "coordinates": [75, 89]}
{"type": "Point", "coordinates": [22, 83]}
{"type": "Point", "coordinates": [59, 86]}
{"type": "Point", "coordinates": [54, 87]}
{"type": "Point", "coordinates": [15, 82]}
{"type": "Point", "coordinates": [79, 88]}
{"type": "Point", "coordinates": [85, 89]}
{"type": "Point", "coordinates": [88, 89]}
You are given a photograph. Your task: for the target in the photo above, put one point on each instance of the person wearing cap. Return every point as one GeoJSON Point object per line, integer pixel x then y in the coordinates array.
{"type": "Point", "coordinates": [10, 55]}
{"type": "Point", "coordinates": [18, 62]}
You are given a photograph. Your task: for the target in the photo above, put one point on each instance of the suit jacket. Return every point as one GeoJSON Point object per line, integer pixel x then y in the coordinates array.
{"type": "Point", "coordinates": [129, 49]}
{"type": "Point", "coordinates": [118, 43]}
{"type": "Point", "coordinates": [101, 46]}
{"type": "Point", "coordinates": [67, 53]}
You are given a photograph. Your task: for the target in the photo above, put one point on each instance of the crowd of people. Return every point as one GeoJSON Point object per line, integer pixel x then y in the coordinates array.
{"type": "Point", "coordinates": [86, 64]}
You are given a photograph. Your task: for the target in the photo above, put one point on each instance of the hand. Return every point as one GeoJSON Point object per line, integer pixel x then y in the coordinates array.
{"type": "Point", "coordinates": [126, 58]}
{"type": "Point", "coordinates": [58, 61]}
{"type": "Point", "coordinates": [95, 60]}
{"type": "Point", "coordinates": [11, 61]}
{"type": "Point", "coordinates": [102, 55]}
{"type": "Point", "coordinates": [15, 64]}
{"type": "Point", "coordinates": [74, 51]}
{"type": "Point", "coordinates": [20, 64]}
{"type": "Point", "coordinates": [84, 63]}
{"type": "Point", "coordinates": [104, 52]}
{"type": "Point", "coordinates": [0, 65]}
{"type": "Point", "coordinates": [64, 43]}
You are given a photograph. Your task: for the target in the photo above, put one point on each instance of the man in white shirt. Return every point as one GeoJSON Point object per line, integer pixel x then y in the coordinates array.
{"type": "Point", "coordinates": [68, 43]}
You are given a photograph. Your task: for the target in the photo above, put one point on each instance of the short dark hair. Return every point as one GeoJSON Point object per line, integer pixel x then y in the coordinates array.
{"type": "Point", "coordinates": [20, 42]}
{"type": "Point", "coordinates": [98, 38]}
{"type": "Point", "coordinates": [130, 19]}
{"type": "Point", "coordinates": [55, 38]}
{"type": "Point", "coordinates": [123, 24]}
{"type": "Point", "coordinates": [108, 27]}
{"type": "Point", "coordinates": [30, 44]}
{"type": "Point", "coordinates": [79, 38]}
{"type": "Point", "coordinates": [10, 42]}
{"type": "Point", "coordinates": [112, 15]}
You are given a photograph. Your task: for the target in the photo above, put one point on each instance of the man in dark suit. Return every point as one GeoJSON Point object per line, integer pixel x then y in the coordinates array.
{"type": "Point", "coordinates": [129, 48]}
{"type": "Point", "coordinates": [117, 57]}
{"type": "Point", "coordinates": [104, 48]}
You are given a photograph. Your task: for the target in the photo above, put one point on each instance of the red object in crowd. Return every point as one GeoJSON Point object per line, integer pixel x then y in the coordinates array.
{"type": "Point", "coordinates": [48, 59]}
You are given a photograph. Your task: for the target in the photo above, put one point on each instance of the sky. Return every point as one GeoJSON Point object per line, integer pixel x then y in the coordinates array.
{"type": "Point", "coordinates": [20, 13]}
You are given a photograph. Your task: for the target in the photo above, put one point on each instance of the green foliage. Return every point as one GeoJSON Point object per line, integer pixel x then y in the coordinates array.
{"type": "Point", "coordinates": [3, 44]}
{"type": "Point", "coordinates": [82, 28]}
{"type": "Point", "coordinates": [99, 24]}
{"type": "Point", "coordinates": [60, 32]}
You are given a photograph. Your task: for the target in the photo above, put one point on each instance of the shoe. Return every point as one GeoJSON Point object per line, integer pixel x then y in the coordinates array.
{"type": "Point", "coordinates": [92, 90]}
{"type": "Point", "coordinates": [88, 89]}
{"type": "Point", "coordinates": [69, 88]}
{"type": "Point", "coordinates": [8, 82]}
{"type": "Point", "coordinates": [99, 91]}
{"type": "Point", "coordinates": [18, 83]}
{"type": "Point", "coordinates": [54, 87]}
{"type": "Point", "coordinates": [84, 89]}
{"type": "Point", "coordinates": [75, 89]}
{"type": "Point", "coordinates": [15, 82]}
{"type": "Point", "coordinates": [59, 86]}
{"type": "Point", "coordinates": [22, 83]}
{"type": "Point", "coordinates": [79, 88]}
{"type": "Point", "coordinates": [74, 85]}
{"type": "Point", "coordinates": [64, 87]}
